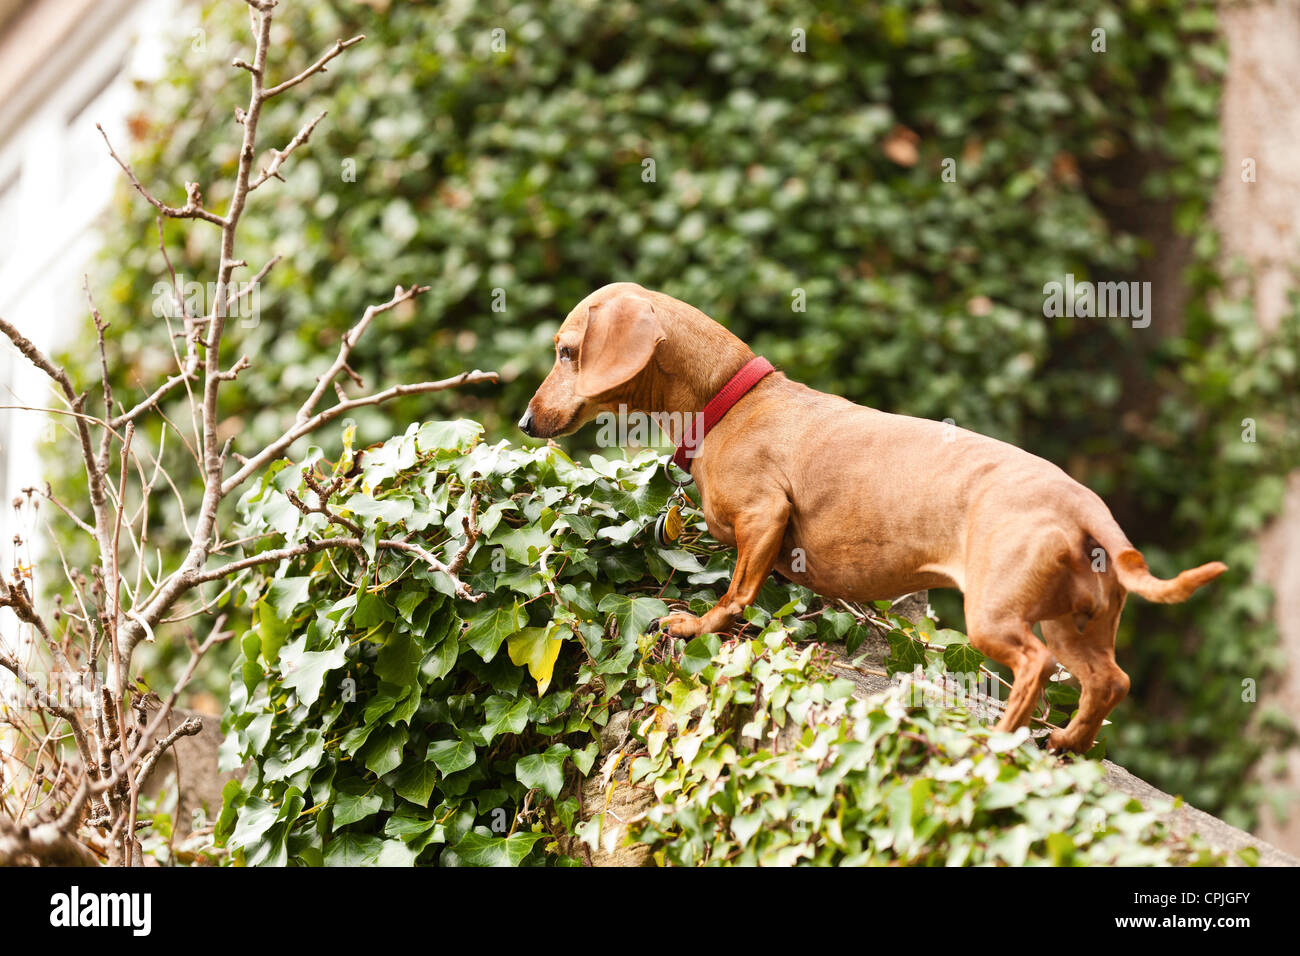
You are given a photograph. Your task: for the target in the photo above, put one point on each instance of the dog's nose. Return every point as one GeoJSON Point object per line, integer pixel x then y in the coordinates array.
{"type": "Point", "coordinates": [526, 423]}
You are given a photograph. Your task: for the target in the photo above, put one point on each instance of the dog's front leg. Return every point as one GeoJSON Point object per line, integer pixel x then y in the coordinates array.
{"type": "Point", "coordinates": [759, 531]}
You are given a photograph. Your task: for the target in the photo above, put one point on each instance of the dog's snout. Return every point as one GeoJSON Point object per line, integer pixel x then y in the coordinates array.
{"type": "Point", "coordinates": [526, 423]}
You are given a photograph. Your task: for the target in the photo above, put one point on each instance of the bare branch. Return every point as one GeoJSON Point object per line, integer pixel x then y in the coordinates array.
{"type": "Point", "coordinates": [48, 494]}
{"type": "Point", "coordinates": [235, 369]}
{"type": "Point", "coordinates": [94, 471]}
{"type": "Point", "coordinates": [274, 556]}
{"type": "Point", "coordinates": [254, 282]}
{"type": "Point", "coordinates": [193, 208]}
{"type": "Point", "coordinates": [322, 544]}
{"type": "Point", "coordinates": [462, 590]}
{"type": "Point", "coordinates": [190, 727]}
{"type": "Point", "coordinates": [118, 742]}
{"type": "Point", "coordinates": [350, 339]}
{"type": "Point", "coordinates": [212, 457]}
{"type": "Point", "coordinates": [100, 328]}
{"type": "Point", "coordinates": [323, 496]}
{"type": "Point", "coordinates": [317, 67]}
{"type": "Point", "coordinates": [150, 731]}
{"type": "Point", "coordinates": [278, 447]}
{"type": "Point", "coordinates": [37, 357]}
{"type": "Point", "coordinates": [152, 401]}
{"type": "Point", "coordinates": [470, 524]}
{"type": "Point", "coordinates": [45, 844]}
{"type": "Point", "coordinates": [46, 702]}
{"type": "Point", "coordinates": [282, 154]}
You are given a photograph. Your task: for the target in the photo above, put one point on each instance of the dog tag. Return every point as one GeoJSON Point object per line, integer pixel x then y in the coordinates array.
{"type": "Point", "coordinates": [669, 526]}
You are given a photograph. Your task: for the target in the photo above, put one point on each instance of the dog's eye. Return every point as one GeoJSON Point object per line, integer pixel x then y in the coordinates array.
{"type": "Point", "coordinates": [566, 354]}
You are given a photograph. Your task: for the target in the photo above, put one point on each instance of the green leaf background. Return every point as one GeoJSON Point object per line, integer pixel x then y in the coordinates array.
{"type": "Point", "coordinates": [522, 171]}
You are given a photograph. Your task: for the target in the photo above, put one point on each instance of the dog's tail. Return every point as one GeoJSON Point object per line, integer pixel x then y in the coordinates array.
{"type": "Point", "coordinates": [1131, 567]}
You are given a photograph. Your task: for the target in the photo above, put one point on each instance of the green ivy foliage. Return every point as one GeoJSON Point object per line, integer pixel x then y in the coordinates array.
{"type": "Point", "coordinates": [388, 721]}
{"type": "Point", "coordinates": [385, 721]}
{"type": "Point", "coordinates": [897, 781]}
{"type": "Point", "coordinates": [448, 162]}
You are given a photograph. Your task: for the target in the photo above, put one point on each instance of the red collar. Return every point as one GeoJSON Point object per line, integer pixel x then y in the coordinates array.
{"type": "Point", "coordinates": [697, 426]}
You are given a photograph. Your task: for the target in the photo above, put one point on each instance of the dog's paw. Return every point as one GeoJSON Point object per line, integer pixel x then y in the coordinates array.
{"type": "Point", "coordinates": [679, 624]}
{"type": "Point", "coordinates": [1062, 745]}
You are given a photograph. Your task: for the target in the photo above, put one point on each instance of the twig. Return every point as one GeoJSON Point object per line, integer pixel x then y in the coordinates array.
{"type": "Point", "coordinates": [193, 208]}
{"type": "Point", "coordinates": [282, 154]}
{"type": "Point", "coordinates": [317, 67]}
{"type": "Point", "coordinates": [278, 447]}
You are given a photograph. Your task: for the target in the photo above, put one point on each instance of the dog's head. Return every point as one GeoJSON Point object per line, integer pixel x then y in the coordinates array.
{"type": "Point", "coordinates": [605, 343]}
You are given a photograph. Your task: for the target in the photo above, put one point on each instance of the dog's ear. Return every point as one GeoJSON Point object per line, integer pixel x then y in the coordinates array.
{"type": "Point", "coordinates": [620, 338]}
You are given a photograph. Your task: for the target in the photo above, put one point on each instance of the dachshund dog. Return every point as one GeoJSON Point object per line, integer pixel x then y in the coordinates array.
{"type": "Point", "coordinates": [863, 505]}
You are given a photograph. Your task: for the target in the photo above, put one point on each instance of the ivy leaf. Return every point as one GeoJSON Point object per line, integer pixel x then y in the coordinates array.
{"type": "Point", "coordinates": [478, 849]}
{"type": "Point", "coordinates": [456, 435]}
{"type": "Point", "coordinates": [905, 654]}
{"type": "Point", "coordinates": [544, 771]}
{"type": "Point", "coordinates": [399, 659]}
{"type": "Point", "coordinates": [416, 783]}
{"type": "Point", "coordinates": [502, 715]}
{"type": "Point", "coordinates": [404, 711]}
{"type": "Point", "coordinates": [621, 533]}
{"type": "Point", "coordinates": [407, 825]}
{"type": "Point", "coordinates": [275, 612]}
{"type": "Point", "coordinates": [442, 658]}
{"type": "Point", "coordinates": [411, 600]}
{"type": "Point", "coordinates": [286, 594]}
{"type": "Point", "coordinates": [450, 756]}
{"type": "Point", "coordinates": [255, 818]}
{"type": "Point", "coordinates": [387, 511]}
{"type": "Point", "coordinates": [620, 566]}
{"type": "Point", "coordinates": [962, 659]}
{"type": "Point", "coordinates": [372, 608]}
{"type": "Point", "coordinates": [351, 807]}
{"type": "Point", "coordinates": [833, 624]}
{"type": "Point", "coordinates": [353, 849]}
{"type": "Point", "coordinates": [584, 758]}
{"type": "Point", "coordinates": [681, 560]}
{"type": "Point", "coordinates": [487, 631]}
{"type": "Point", "coordinates": [272, 630]}
{"type": "Point", "coordinates": [584, 525]}
{"type": "Point", "coordinates": [634, 614]}
{"type": "Point", "coordinates": [384, 749]}
{"type": "Point", "coordinates": [854, 638]}
{"type": "Point", "coordinates": [518, 542]}
{"type": "Point", "coordinates": [645, 502]}
{"type": "Point", "coordinates": [946, 637]}
{"type": "Point", "coordinates": [396, 853]}
{"type": "Point", "coordinates": [232, 796]}
{"type": "Point", "coordinates": [698, 654]}
{"type": "Point", "coordinates": [304, 671]}
{"type": "Point", "coordinates": [535, 647]}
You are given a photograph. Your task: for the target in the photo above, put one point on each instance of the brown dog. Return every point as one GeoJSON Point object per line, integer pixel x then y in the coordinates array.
{"type": "Point", "coordinates": [863, 505]}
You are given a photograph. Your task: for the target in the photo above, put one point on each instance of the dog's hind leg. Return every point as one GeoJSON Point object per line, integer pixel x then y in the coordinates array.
{"type": "Point", "coordinates": [1087, 649]}
{"type": "Point", "coordinates": [1007, 577]}
{"type": "Point", "coordinates": [1013, 643]}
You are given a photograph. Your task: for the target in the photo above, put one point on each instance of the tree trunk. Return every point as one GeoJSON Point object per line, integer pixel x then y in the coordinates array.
{"type": "Point", "coordinates": [1259, 226]}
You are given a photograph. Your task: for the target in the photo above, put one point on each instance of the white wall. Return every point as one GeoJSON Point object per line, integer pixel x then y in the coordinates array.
{"type": "Point", "coordinates": [56, 179]}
